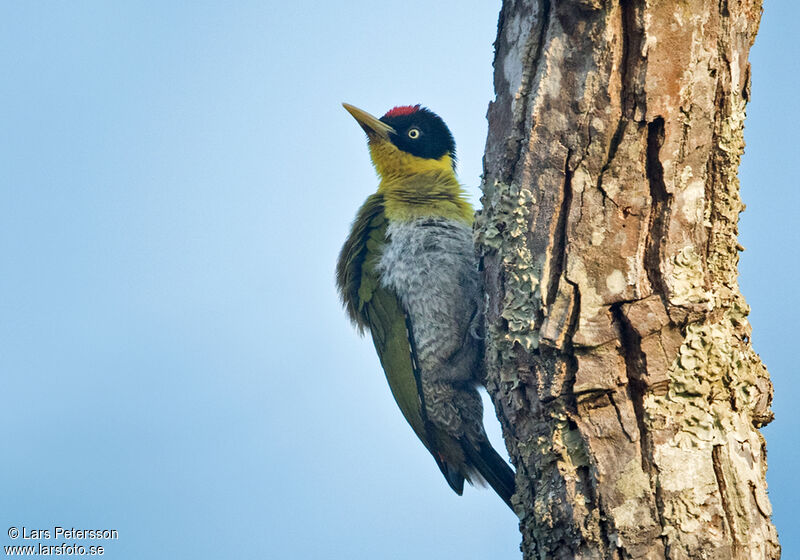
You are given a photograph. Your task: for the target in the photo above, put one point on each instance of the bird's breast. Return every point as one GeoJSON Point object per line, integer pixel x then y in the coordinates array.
{"type": "Point", "coordinates": [430, 263]}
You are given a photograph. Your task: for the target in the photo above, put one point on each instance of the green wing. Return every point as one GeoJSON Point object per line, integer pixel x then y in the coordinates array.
{"type": "Point", "coordinates": [390, 334]}
{"type": "Point", "coordinates": [371, 306]}
{"type": "Point", "coordinates": [355, 269]}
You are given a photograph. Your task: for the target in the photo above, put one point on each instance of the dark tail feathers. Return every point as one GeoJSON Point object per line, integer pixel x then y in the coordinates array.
{"type": "Point", "coordinates": [494, 469]}
{"type": "Point", "coordinates": [453, 476]}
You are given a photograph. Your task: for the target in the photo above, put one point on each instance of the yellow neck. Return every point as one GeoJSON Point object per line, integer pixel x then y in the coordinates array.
{"type": "Point", "coordinates": [415, 187]}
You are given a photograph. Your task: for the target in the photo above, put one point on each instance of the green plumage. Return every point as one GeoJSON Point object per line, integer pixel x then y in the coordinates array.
{"type": "Point", "coordinates": [375, 308]}
{"type": "Point", "coordinates": [355, 271]}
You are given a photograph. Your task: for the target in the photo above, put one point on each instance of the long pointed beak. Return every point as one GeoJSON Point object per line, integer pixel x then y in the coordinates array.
{"type": "Point", "coordinates": [372, 126]}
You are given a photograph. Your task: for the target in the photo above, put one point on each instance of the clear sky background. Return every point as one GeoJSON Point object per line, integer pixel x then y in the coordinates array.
{"type": "Point", "coordinates": [176, 179]}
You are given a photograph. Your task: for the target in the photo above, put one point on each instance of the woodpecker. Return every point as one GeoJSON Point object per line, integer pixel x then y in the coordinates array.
{"type": "Point", "coordinates": [408, 274]}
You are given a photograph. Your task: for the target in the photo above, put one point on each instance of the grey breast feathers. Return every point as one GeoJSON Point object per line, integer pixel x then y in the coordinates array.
{"type": "Point", "coordinates": [431, 265]}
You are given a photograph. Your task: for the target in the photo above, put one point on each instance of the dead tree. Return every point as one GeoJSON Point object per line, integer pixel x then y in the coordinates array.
{"type": "Point", "coordinates": [618, 345]}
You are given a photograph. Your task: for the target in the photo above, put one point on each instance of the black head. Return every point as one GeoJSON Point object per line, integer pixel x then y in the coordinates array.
{"type": "Point", "coordinates": [420, 132]}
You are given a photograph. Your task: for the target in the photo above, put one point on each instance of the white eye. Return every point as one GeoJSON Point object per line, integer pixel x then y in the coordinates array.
{"type": "Point", "coordinates": [413, 133]}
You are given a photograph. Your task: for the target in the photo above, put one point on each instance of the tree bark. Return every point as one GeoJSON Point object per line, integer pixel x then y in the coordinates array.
{"type": "Point", "coordinates": [618, 348]}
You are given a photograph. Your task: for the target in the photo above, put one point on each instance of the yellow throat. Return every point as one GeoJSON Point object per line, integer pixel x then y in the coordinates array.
{"type": "Point", "coordinates": [415, 187]}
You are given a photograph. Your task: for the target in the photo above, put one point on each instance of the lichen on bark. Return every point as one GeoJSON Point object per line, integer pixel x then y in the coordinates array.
{"type": "Point", "coordinates": [618, 347]}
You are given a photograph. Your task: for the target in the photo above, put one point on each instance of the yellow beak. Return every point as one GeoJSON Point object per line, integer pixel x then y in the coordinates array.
{"type": "Point", "coordinates": [372, 126]}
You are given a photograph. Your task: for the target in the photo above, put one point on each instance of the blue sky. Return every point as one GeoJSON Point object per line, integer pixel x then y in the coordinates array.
{"type": "Point", "coordinates": [175, 182]}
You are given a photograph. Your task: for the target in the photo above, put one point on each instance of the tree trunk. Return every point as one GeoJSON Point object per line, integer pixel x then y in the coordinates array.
{"type": "Point", "coordinates": [618, 347]}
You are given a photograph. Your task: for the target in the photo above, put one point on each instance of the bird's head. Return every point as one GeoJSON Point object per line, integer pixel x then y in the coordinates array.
{"type": "Point", "coordinates": [407, 140]}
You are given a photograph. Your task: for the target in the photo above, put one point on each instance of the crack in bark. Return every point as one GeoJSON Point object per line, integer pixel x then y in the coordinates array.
{"type": "Point", "coordinates": [629, 34]}
{"type": "Point", "coordinates": [660, 203]}
{"type": "Point", "coordinates": [568, 350]}
{"type": "Point", "coordinates": [586, 480]}
{"type": "Point", "coordinates": [616, 140]}
{"type": "Point", "coordinates": [560, 235]}
{"type": "Point", "coordinates": [635, 370]}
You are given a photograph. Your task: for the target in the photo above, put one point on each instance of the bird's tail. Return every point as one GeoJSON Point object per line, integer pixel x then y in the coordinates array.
{"type": "Point", "coordinates": [493, 468]}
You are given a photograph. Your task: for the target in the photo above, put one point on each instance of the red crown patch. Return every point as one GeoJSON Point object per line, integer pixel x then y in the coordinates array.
{"type": "Point", "coordinates": [402, 110]}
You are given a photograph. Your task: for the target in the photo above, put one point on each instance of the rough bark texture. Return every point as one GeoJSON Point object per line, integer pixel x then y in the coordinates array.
{"type": "Point", "coordinates": [618, 346]}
